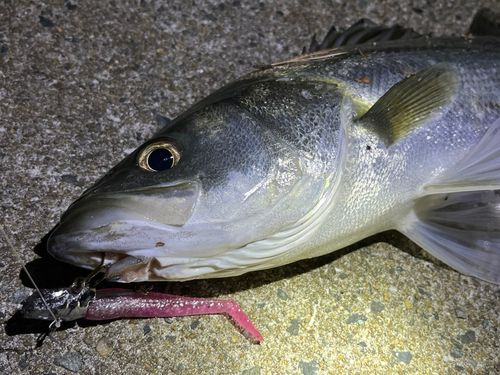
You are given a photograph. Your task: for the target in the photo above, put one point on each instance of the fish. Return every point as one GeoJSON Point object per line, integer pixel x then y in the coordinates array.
{"type": "Point", "coordinates": [304, 157]}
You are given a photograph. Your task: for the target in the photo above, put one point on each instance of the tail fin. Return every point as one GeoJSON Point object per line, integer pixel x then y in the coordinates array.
{"type": "Point", "coordinates": [459, 220]}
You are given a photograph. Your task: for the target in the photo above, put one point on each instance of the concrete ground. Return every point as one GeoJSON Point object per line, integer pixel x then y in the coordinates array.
{"type": "Point", "coordinates": [81, 84]}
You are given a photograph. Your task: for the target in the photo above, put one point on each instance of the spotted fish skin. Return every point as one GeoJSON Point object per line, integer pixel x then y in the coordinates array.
{"type": "Point", "coordinates": [304, 157]}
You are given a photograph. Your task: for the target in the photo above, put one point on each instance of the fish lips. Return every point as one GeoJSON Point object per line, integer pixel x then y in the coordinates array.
{"type": "Point", "coordinates": [118, 222]}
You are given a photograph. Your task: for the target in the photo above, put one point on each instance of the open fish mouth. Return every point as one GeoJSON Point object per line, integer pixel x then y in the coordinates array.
{"type": "Point", "coordinates": [133, 222]}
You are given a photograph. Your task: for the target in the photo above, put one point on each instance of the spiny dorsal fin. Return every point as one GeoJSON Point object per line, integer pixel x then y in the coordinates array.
{"type": "Point", "coordinates": [411, 103]}
{"type": "Point", "coordinates": [485, 23]}
{"type": "Point", "coordinates": [363, 31]}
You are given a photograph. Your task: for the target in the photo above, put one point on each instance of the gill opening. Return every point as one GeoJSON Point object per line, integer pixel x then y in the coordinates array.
{"type": "Point", "coordinates": [272, 247]}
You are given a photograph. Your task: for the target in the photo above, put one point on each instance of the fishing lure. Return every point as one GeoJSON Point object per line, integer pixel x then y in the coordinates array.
{"type": "Point", "coordinates": [83, 300]}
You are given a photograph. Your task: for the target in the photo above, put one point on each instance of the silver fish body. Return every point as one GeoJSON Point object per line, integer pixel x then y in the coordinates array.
{"type": "Point", "coordinates": [303, 158]}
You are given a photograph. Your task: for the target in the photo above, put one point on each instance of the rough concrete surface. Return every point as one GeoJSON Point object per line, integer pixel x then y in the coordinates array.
{"type": "Point", "coordinates": [81, 84]}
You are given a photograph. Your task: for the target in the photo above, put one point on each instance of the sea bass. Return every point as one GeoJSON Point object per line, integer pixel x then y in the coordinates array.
{"type": "Point", "coordinates": [305, 157]}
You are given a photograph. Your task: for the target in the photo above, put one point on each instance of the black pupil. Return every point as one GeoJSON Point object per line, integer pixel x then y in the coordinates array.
{"type": "Point", "coordinates": [160, 159]}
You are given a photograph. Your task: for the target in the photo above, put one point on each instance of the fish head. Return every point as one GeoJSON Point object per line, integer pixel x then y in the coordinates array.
{"type": "Point", "coordinates": [188, 202]}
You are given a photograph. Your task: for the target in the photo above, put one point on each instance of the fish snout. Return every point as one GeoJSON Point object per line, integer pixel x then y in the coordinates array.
{"type": "Point", "coordinates": [116, 223]}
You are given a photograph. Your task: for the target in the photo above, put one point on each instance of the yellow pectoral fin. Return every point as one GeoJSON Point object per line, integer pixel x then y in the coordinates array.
{"type": "Point", "coordinates": [411, 103]}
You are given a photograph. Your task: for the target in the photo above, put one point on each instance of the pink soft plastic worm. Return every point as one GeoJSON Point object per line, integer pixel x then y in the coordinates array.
{"type": "Point", "coordinates": [122, 303]}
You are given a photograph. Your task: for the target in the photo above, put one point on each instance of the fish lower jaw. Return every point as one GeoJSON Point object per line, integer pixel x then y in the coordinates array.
{"type": "Point", "coordinates": [138, 251]}
{"type": "Point", "coordinates": [139, 269]}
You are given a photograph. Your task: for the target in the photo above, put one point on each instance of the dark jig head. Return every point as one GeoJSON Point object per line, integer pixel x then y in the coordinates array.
{"type": "Point", "coordinates": [65, 303]}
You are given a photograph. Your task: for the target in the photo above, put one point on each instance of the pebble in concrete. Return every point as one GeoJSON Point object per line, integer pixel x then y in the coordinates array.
{"type": "Point", "coordinates": [468, 337]}
{"type": "Point", "coordinates": [104, 347]}
{"type": "Point", "coordinates": [71, 361]}
{"type": "Point", "coordinates": [377, 307]}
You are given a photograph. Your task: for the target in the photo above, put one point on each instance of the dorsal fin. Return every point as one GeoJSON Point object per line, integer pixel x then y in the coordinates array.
{"type": "Point", "coordinates": [410, 103]}
{"type": "Point", "coordinates": [363, 31]}
{"type": "Point", "coordinates": [485, 23]}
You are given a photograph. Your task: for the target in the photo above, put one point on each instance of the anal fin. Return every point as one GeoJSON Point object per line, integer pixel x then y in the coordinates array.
{"type": "Point", "coordinates": [461, 229]}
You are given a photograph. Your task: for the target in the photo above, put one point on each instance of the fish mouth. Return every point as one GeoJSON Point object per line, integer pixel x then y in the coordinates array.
{"type": "Point", "coordinates": [109, 225]}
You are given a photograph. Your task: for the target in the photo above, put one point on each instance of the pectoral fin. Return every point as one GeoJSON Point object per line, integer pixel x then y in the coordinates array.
{"type": "Point", "coordinates": [411, 103]}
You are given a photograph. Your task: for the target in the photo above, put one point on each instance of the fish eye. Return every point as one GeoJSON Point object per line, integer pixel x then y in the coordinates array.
{"type": "Point", "coordinates": [159, 155]}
